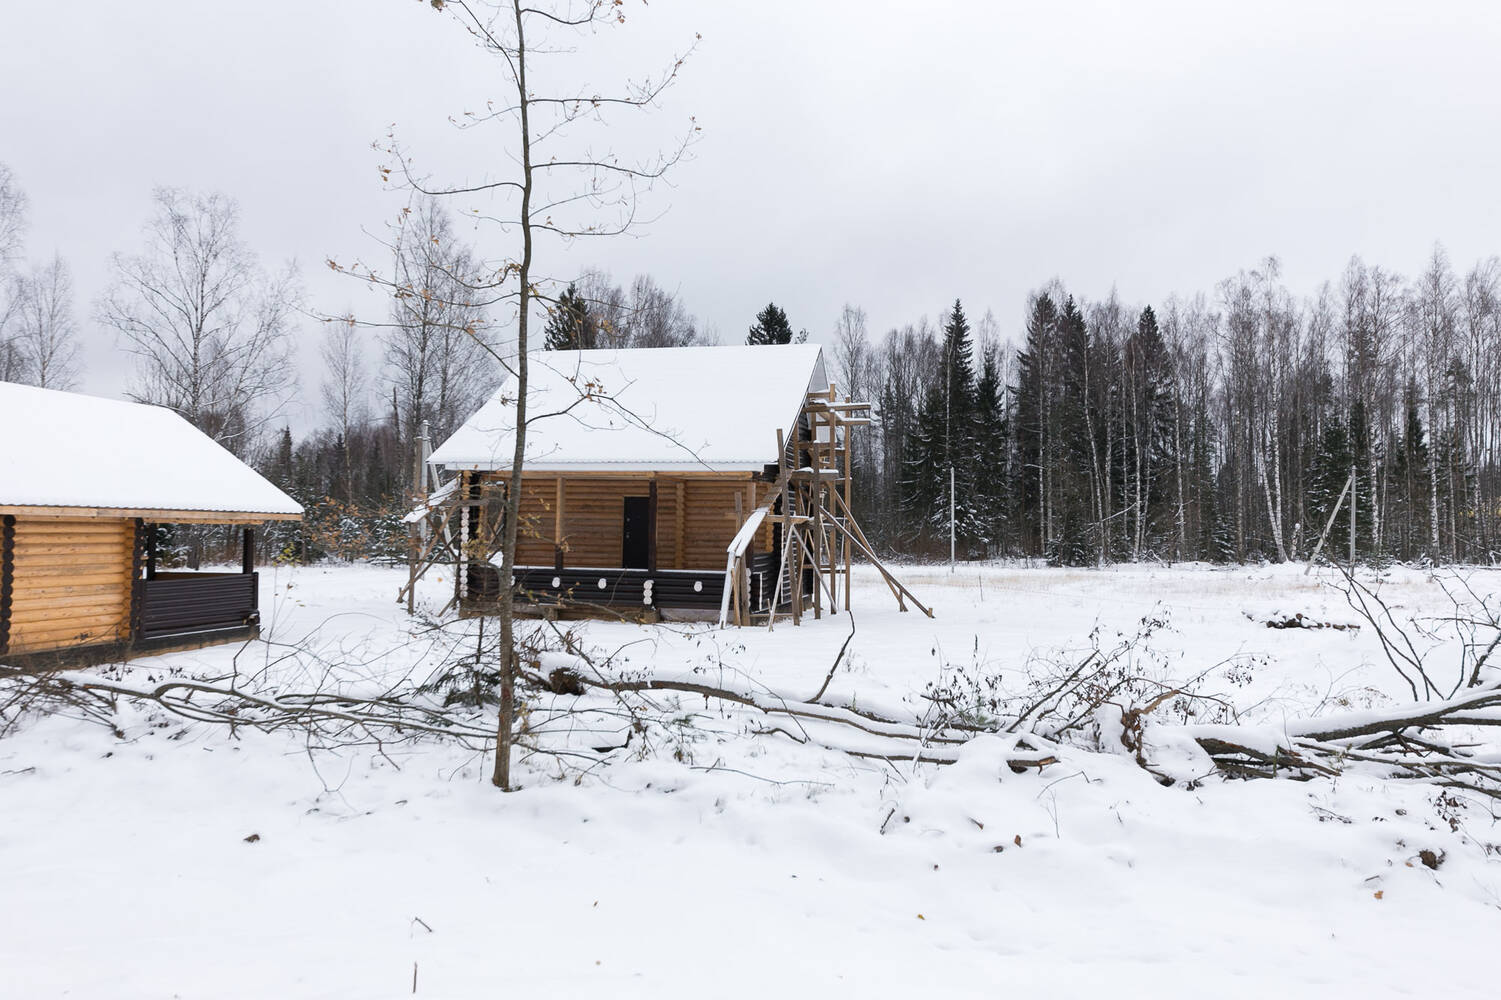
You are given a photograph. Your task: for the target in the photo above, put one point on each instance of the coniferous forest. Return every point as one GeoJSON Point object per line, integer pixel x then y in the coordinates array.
{"type": "Point", "coordinates": [1221, 426]}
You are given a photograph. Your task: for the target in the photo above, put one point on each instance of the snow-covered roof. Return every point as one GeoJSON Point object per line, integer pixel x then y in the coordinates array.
{"type": "Point", "coordinates": [63, 449]}
{"type": "Point", "coordinates": [690, 408]}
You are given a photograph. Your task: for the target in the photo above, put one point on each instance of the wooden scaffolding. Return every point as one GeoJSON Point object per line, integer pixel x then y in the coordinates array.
{"type": "Point", "coordinates": [812, 506]}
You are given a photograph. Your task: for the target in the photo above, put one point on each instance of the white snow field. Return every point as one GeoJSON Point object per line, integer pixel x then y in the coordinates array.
{"type": "Point", "coordinates": [754, 866]}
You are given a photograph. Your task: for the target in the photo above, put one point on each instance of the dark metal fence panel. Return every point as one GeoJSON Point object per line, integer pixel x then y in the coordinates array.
{"type": "Point", "coordinates": [173, 605]}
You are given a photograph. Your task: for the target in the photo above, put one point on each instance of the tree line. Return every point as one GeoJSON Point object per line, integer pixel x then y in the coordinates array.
{"type": "Point", "coordinates": [1239, 424]}
{"type": "Point", "coordinates": [1224, 426]}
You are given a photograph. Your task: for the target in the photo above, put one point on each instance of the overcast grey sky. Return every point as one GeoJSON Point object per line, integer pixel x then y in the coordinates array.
{"type": "Point", "coordinates": [890, 155]}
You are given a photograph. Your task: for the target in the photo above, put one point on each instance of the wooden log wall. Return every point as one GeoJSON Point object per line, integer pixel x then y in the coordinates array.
{"type": "Point", "coordinates": [696, 518]}
{"type": "Point", "coordinates": [71, 582]}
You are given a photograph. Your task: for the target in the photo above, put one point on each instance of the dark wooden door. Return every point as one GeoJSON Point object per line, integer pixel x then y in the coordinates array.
{"type": "Point", "coordinates": [636, 537]}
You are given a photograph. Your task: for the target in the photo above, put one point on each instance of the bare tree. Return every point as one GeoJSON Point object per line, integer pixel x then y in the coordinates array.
{"type": "Point", "coordinates": [208, 327]}
{"type": "Point", "coordinates": [852, 353]}
{"type": "Point", "coordinates": [12, 219]}
{"type": "Point", "coordinates": [12, 233]}
{"type": "Point", "coordinates": [435, 356]}
{"type": "Point", "coordinates": [657, 317]}
{"type": "Point", "coordinates": [1434, 315]}
{"type": "Point", "coordinates": [46, 336]}
{"type": "Point", "coordinates": [561, 189]}
{"type": "Point", "coordinates": [646, 315]}
{"type": "Point", "coordinates": [346, 388]}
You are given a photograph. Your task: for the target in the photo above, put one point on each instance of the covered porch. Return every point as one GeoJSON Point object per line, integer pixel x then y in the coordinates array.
{"type": "Point", "coordinates": [182, 605]}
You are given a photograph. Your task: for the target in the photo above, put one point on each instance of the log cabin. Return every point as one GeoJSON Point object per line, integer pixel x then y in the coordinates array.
{"type": "Point", "coordinates": [683, 482]}
{"type": "Point", "coordinates": [83, 483]}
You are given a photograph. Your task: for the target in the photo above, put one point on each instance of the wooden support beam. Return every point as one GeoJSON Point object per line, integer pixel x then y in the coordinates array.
{"type": "Point", "coordinates": [651, 525]}
{"type": "Point", "coordinates": [681, 518]}
{"type": "Point", "coordinates": [461, 567]}
{"type": "Point", "coordinates": [848, 574]}
{"type": "Point", "coordinates": [817, 404]}
{"type": "Point", "coordinates": [158, 516]}
{"type": "Point", "coordinates": [734, 584]}
{"type": "Point", "coordinates": [853, 531]}
{"type": "Point", "coordinates": [816, 556]}
{"type": "Point", "coordinates": [7, 577]}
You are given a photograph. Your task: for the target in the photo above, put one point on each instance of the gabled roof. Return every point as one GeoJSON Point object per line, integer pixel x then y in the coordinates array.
{"type": "Point", "coordinates": [87, 454]}
{"type": "Point", "coordinates": [674, 408]}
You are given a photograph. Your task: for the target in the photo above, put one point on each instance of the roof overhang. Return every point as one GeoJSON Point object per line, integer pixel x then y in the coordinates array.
{"type": "Point", "coordinates": [613, 468]}
{"type": "Point", "coordinates": [160, 516]}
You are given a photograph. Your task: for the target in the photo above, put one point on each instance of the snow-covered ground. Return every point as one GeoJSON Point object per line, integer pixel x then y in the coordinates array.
{"type": "Point", "coordinates": [754, 866]}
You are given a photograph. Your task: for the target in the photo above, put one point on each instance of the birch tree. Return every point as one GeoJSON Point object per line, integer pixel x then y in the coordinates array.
{"type": "Point", "coordinates": [12, 220]}
{"type": "Point", "coordinates": [345, 389]}
{"type": "Point", "coordinates": [209, 329]}
{"type": "Point", "coordinates": [435, 345]}
{"type": "Point", "coordinates": [12, 239]}
{"type": "Point", "coordinates": [45, 334]}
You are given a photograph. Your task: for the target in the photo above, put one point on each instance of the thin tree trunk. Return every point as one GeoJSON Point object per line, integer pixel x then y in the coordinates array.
{"type": "Point", "coordinates": [506, 722]}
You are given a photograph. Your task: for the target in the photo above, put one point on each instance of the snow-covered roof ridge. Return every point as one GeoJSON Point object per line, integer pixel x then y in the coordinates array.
{"type": "Point", "coordinates": [691, 408]}
{"type": "Point", "coordinates": [65, 449]}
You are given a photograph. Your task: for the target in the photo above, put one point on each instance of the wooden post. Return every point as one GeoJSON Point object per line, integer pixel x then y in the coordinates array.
{"type": "Point", "coordinates": [7, 576]}
{"type": "Point", "coordinates": [247, 552]}
{"type": "Point", "coordinates": [137, 585]}
{"type": "Point", "coordinates": [817, 511]}
{"type": "Point", "coordinates": [827, 538]}
{"type": "Point", "coordinates": [414, 530]}
{"type": "Point", "coordinates": [557, 530]}
{"type": "Point", "coordinates": [461, 570]}
{"type": "Point", "coordinates": [849, 434]}
{"type": "Point", "coordinates": [680, 518]}
{"type": "Point", "coordinates": [739, 596]}
{"type": "Point", "coordinates": [797, 576]}
{"type": "Point", "coordinates": [651, 525]}
{"type": "Point", "coordinates": [412, 560]}
{"type": "Point", "coordinates": [151, 552]}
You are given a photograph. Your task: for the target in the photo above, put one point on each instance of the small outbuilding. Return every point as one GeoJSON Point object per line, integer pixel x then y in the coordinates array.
{"type": "Point", "coordinates": [83, 482]}
{"type": "Point", "coordinates": [689, 480]}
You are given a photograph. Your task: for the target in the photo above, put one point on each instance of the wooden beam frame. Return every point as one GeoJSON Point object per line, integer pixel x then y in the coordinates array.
{"type": "Point", "coordinates": [651, 525]}
{"type": "Point", "coordinates": [164, 516]}
{"type": "Point", "coordinates": [7, 576]}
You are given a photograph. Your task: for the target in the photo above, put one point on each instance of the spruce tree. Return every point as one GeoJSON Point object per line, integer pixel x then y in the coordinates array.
{"type": "Point", "coordinates": [945, 439]}
{"type": "Point", "coordinates": [1359, 434]}
{"type": "Point", "coordinates": [1151, 403]}
{"type": "Point", "coordinates": [571, 327]}
{"type": "Point", "coordinates": [1331, 470]}
{"type": "Point", "coordinates": [771, 327]}
{"type": "Point", "coordinates": [1076, 536]}
{"type": "Point", "coordinates": [1407, 504]}
{"type": "Point", "coordinates": [992, 446]}
{"type": "Point", "coordinates": [1032, 393]}
{"type": "Point", "coordinates": [924, 499]}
